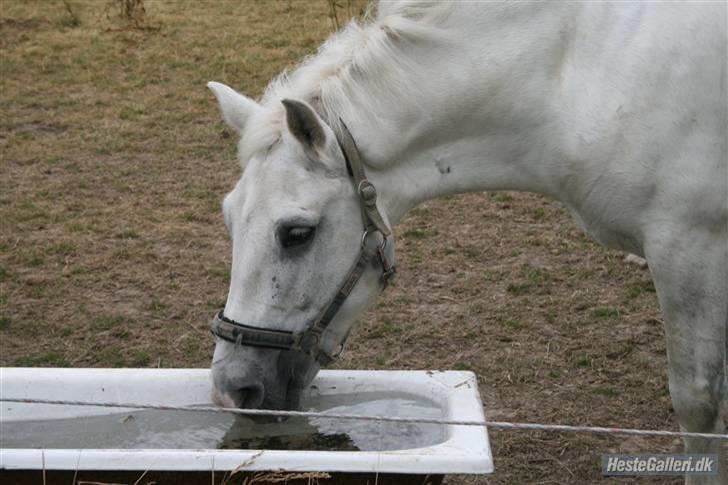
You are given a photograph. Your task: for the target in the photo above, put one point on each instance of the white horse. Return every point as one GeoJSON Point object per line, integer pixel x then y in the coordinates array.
{"type": "Point", "coordinates": [618, 110]}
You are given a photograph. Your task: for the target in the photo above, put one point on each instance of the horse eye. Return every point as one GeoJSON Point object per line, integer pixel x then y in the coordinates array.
{"type": "Point", "coordinates": [296, 235]}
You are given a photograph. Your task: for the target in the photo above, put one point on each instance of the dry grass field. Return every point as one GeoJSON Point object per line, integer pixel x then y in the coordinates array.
{"type": "Point", "coordinates": [113, 251]}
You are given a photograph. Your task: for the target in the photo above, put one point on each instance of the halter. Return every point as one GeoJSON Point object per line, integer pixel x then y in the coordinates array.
{"type": "Point", "coordinates": [308, 340]}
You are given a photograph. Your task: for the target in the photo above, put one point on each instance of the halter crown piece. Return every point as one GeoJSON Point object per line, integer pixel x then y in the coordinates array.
{"type": "Point", "coordinates": [308, 340]}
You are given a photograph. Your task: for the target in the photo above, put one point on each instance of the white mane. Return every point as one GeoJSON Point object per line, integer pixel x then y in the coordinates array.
{"type": "Point", "coordinates": [331, 79]}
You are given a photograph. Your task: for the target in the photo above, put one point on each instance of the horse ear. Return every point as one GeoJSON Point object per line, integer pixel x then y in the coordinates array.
{"type": "Point", "coordinates": [236, 108]}
{"type": "Point", "coordinates": [304, 124]}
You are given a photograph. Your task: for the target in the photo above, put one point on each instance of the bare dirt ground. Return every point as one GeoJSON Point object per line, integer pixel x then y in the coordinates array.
{"type": "Point", "coordinates": [113, 251]}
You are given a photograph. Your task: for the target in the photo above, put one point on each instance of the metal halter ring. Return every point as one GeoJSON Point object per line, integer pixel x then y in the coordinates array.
{"type": "Point", "coordinates": [364, 240]}
{"type": "Point", "coordinates": [340, 350]}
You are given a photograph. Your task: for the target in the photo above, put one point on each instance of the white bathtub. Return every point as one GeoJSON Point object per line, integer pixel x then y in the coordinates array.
{"type": "Point", "coordinates": [463, 450]}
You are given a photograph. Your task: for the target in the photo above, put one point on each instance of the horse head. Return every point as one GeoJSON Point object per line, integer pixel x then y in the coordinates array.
{"type": "Point", "coordinates": [300, 228]}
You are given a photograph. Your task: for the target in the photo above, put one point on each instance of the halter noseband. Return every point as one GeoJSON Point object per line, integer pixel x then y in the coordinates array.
{"type": "Point", "coordinates": [308, 340]}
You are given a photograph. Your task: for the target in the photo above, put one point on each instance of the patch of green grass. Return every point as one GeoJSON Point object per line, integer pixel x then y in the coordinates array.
{"type": "Point", "coordinates": [554, 374]}
{"type": "Point", "coordinates": [605, 391]}
{"type": "Point", "coordinates": [38, 290]}
{"type": "Point", "coordinates": [389, 327]}
{"type": "Point", "coordinates": [416, 233]}
{"type": "Point", "coordinates": [66, 248]}
{"type": "Point", "coordinates": [76, 227]}
{"type": "Point", "coordinates": [109, 322]}
{"type": "Point", "coordinates": [462, 366]}
{"type": "Point", "coordinates": [219, 272]}
{"type": "Point", "coordinates": [513, 324]}
{"type": "Point", "coordinates": [123, 254]}
{"type": "Point", "coordinates": [34, 259]}
{"type": "Point", "coordinates": [71, 19]}
{"type": "Point", "coordinates": [518, 289]}
{"type": "Point", "coordinates": [47, 359]}
{"type": "Point", "coordinates": [26, 211]}
{"type": "Point", "coordinates": [156, 306]}
{"type": "Point", "coordinates": [472, 252]}
{"type": "Point", "coordinates": [140, 359]}
{"type": "Point", "coordinates": [190, 216]}
{"type": "Point", "coordinates": [386, 328]}
{"type": "Point", "coordinates": [538, 276]}
{"type": "Point", "coordinates": [192, 345]}
{"type": "Point", "coordinates": [130, 113]}
{"type": "Point", "coordinates": [111, 357]}
{"type": "Point", "coordinates": [127, 234]}
{"type": "Point", "coordinates": [539, 214]}
{"type": "Point", "coordinates": [501, 196]}
{"type": "Point", "coordinates": [584, 274]}
{"type": "Point", "coordinates": [605, 312]}
{"type": "Point", "coordinates": [4, 274]}
{"type": "Point", "coordinates": [120, 333]}
{"type": "Point", "coordinates": [551, 316]}
{"type": "Point", "coordinates": [4, 322]}
{"type": "Point", "coordinates": [403, 300]}
{"type": "Point", "coordinates": [79, 270]}
{"type": "Point", "coordinates": [490, 275]}
{"type": "Point", "coordinates": [217, 304]}
{"type": "Point", "coordinates": [583, 360]}
{"type": "Point", "coordinates": [275, 42]}
{"type": "Point", "coordinates": [622, 350]}
{"type": "Point", "coordinates": [72, 167]}
{"type": "Point", "coordinates": [632, 292]}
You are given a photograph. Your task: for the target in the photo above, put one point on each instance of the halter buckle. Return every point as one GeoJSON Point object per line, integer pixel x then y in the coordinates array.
{"type": "Point", "coordinates": [367, 193]}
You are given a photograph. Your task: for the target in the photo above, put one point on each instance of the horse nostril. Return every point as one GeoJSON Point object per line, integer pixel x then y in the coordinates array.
{"type": "Point", "coordinates": [249, 397]}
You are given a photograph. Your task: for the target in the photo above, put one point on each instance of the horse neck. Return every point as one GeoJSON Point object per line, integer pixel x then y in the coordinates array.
{"type": "Point", "coordinates": [480, 114]}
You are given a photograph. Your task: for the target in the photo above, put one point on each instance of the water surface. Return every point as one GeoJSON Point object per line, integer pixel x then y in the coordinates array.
{"type": "Point", "coordinates": [197, 430]}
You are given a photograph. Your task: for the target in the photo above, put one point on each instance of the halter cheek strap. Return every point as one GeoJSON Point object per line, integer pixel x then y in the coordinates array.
{"type": "Point", "coordinates": [367, 193]}
{"type": "Point", "coordinates": [308, 340]}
